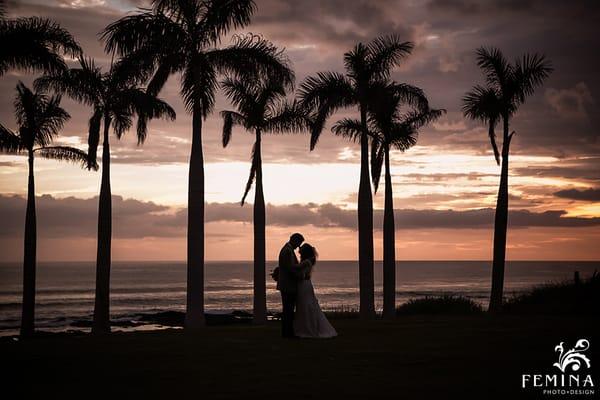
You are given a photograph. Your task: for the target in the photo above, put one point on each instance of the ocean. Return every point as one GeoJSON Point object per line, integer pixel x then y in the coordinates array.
{"type": "Point", "coordinates": [65, 290]}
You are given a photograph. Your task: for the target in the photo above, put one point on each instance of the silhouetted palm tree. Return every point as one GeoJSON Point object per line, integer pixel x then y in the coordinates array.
{"type": "Point", "coordinates": [115, 99]}
{"type": "Point", "coordinates": [39, 119]}
{"type": "Point", "coordinates": [34, 43]}
{"type": "Point", "coordinates": [183, 36]}
{"type": "Point", "coordinates": [367, 66]}
{"type": "Point", "coordinates": [507, 87]}
{"type": "Point", "coordinates": [390, 127]}
{"type": "Point", "coordinates": [261, 109]}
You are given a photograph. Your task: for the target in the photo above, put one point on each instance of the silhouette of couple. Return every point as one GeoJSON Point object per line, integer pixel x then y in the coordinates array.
{"type": "Point", "coordinates": [302, 316]}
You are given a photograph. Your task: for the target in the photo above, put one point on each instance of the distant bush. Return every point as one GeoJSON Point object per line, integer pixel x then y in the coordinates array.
{"type": "Point", "coordinates": [446, 304]}
{"type": "Point", "coordinates": [573, 297]}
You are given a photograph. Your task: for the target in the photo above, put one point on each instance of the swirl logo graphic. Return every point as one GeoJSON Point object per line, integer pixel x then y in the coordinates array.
{"type": "Point", "coordinates": [574, 358]}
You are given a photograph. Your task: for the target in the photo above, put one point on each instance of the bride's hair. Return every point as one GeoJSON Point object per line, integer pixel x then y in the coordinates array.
{"type": "Point", "coordinates": [306, 252]}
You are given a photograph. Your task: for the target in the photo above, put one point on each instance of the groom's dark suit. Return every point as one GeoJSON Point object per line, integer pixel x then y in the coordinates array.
{"type": "Point", "coordinates": [289, 274]}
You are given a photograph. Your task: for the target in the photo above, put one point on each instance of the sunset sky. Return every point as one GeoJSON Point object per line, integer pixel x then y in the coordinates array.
{"type": "Point", "coordinates": [445, 187]}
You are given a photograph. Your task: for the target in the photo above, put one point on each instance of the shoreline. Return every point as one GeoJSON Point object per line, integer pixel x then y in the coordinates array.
{"type": "Point", "coordinates": [132, 319]}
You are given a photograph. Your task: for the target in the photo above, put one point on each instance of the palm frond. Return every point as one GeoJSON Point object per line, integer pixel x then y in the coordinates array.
{"type": "Point", "coordinates": [327, 88]}
{"type": "Point", "coordinates": [186, 12]}
{"type": "Point", "coordinates": [84, 84]}
{"type": "Point", "coordinates": [141, 65]}
{"type": "Point", "coordinates": [321, 96]}
{"type": "Point", "coordinates": [136, 101]}
{"type": "Point", "coordinates": [66, 153]}
{"type": "Point", "coordinates": [198, 85]}
{"type": "Point", "coordinates": [166, 66]}
{"type": "Point", "coordinates": [377, 158]}
{"type": "Point", "coordinates": [242, 94]}
{"type": "Point", "coordinates": [151, 108]}
{"type": "Point", "coordinates": [50, 33]}
{"type": "Point", "coordinates": [133, 69]}
{"type": "Point", "coordinates": [348, 128]}
{"type": "Point", "coordinates": [492, 136]}
{"type": "Point", "coordinates": [34, 43]}
{"type": "Point", "coordinates": [482, 103]}
{"type": "Point", "coordinates": [222, 16]}
{"type": "Point", "coordinates": [94, 137]}
{"type": "Point", "coordinates": [287, 117]}
{"type": "Point", "coordinates": [252, 176]}
{"type": "Point", "coordinates": [386, 52]}
{"type": "Point", "coordinates": [529, 73]}
{"type": "Point", "coordinates": [316, 123]}
{"type": "Point", "coordinates": [9, 141]}
{"type": "Point", "coordinates": [403, 136]}
{"type": "Point", "coordinates": [270, 94]}
{"type": "Point", "coordinates": [230, 118]}
{"type": "Point", "coordinates": [496, 68]}
{"type": "Point", "coordinates": [418, 118]}
{"type": "Point", "coordinates": [39, 117]}
{"type": "Point", "coordinates": [26, 104]}
{"type": "Point", "coordinates": [251, 57]}
{"type": "Point", "coordinates": [122, 120]}
{"type": "Point", "coordinates": [35, 57]}
{"type": "Point", "coordinates": [356, 65]}
{"type": "Point", "coordinates": [50, 121]}
{"type": "Point", "coordinates": [411, 95]}
{"type": "Point", "coordinates": [147, 29]}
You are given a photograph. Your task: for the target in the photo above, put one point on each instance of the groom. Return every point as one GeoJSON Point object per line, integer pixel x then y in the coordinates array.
{"type": "Point", "coordinates": [287, 282]}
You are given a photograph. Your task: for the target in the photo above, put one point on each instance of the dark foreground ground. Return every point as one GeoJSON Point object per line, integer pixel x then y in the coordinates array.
{"type": "Point", "coordinates": [412, 358]}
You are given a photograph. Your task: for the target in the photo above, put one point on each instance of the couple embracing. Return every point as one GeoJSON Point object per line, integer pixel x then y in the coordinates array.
{"type": "Point", "coordinates": [302, 316]}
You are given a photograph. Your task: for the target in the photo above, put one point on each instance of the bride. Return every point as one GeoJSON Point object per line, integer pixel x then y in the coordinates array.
{"type": "Point", "coordinates": [309, 320]}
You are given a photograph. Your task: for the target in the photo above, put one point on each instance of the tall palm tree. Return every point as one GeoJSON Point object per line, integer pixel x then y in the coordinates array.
{"type": "Point", "coordinates": [184, 36]}
{"type": "Point", "coordinates": [261, 108]}
{"type": "Point", "coordinates": [507, 87]}
{"type": "Point", "coordinates": [115, 99]}
{"type": "Point", "coordinates": [367, 66]}
{"type": "Point", "coordinates": [390, 127]}
{"type": "Point", "coordinates": [34, 43]}
{"type": "Point", "coordinates": [39, 119]}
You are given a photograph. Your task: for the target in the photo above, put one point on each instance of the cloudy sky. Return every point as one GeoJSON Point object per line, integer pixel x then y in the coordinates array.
{"type": "Point", "coordinates": [445, 187]}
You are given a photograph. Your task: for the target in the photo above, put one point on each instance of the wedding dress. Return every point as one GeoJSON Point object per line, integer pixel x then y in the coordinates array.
{"type": "Point", "coordinates": [309, 320]}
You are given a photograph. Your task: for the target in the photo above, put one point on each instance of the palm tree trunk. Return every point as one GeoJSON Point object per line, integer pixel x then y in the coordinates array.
{"type": "Point", "coordinates": [101, 323]}
{"type": "Point", "coordinates": [260, 291]}
{"type": "Point", "coordinates": [500, 227]}
{"type": "Point", "coordinates": [365, 228]}
{"type": "Point", "coordinates": [29, 257]}
{"type": "Point", "coordinates": [194, 316]}
{"type": "Point", "coordinates": [389, 246]}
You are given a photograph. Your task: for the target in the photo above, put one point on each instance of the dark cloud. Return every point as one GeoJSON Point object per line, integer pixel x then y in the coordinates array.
{"type": "Point", "coordinates": [571, 103]}
{"type": "Point", "coordinates": [494, 8]}
{"type": "Point", "coordinates": [473, 7]}
{"type": "Point", "coordinates": [441, 177]}
{"type": "Point", "coordinates": [331, 25]}
{"type": "Point", "coordinates": [580, 169]}
{"type": "Point", "coordinates": [576, 194]}
{"type": "Point", "coordinates": [74, 217]}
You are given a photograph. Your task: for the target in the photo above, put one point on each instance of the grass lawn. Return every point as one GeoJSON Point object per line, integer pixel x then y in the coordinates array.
{"type": "Point", "coordinates": [414, 357]}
